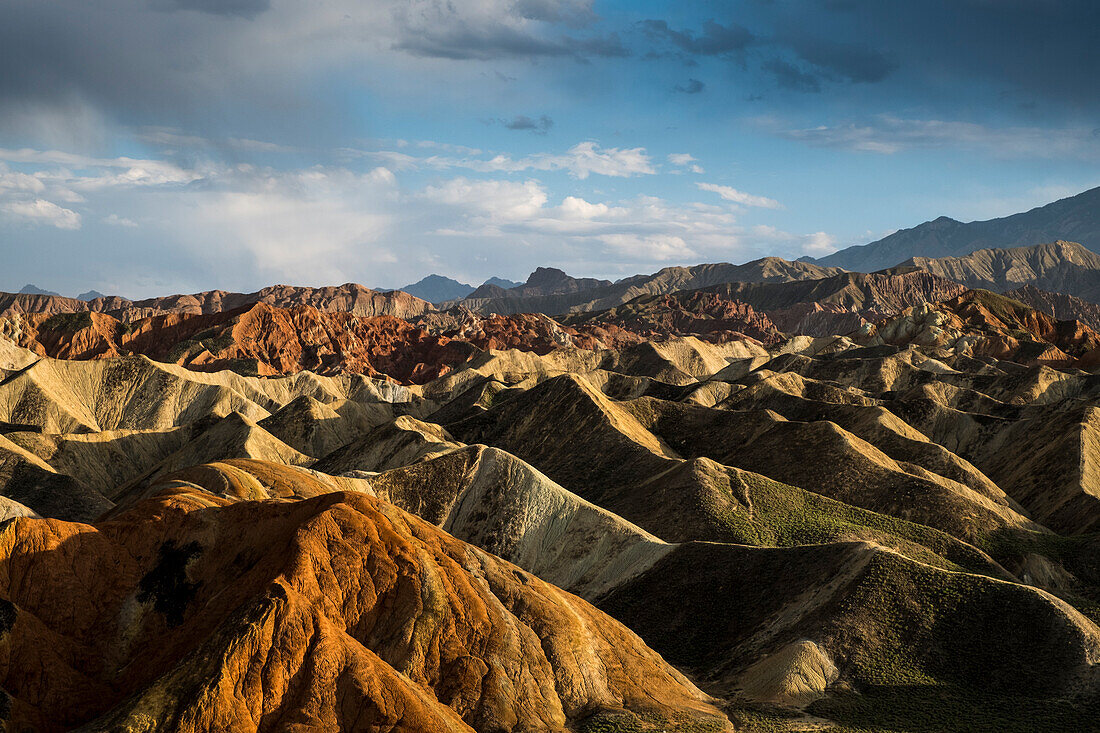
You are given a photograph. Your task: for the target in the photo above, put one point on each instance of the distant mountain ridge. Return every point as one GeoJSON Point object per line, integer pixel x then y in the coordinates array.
{"type": "Point", "coordinates": [348, 298]}
{"type": "Point", "coordinates": [833, 305]}
{"type": "Point", "coordinates": [1059, 267]}
{"type": "Point", "coordinates": [30, 289]}
{"type": "Point", "coordinates": [439, 289]}
{"type": "Point", "coordinates": [552, 292]}
{"type": "Point", "coordinates": [1076, 218]}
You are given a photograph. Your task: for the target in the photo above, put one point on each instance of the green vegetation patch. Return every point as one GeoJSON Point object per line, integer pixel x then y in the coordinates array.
{"type": "Point", "coordinates": [787, 516]}
{"type": "Point", "coordinates": [938, 708]}
{"type": "Point", "coordinates": [627, 722]}
{"type": "Point", "coordinates": [67, 322]}
{"type": "Point", "coordinates": [1078, 554]}
{"type": "Point", "coordinates": [909, 625]}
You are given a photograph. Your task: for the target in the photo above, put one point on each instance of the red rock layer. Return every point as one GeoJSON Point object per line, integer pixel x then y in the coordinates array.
{"type": "Point", "coordinates": [258, 339]}
{"type": "Point", "coordinates": [267, 340]}
{"type": "Point", "coordinates": [693, 313]}
{"type": "Point", "coordinates": [340, 612]}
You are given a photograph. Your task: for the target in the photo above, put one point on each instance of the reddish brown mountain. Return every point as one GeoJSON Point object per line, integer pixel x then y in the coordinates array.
{"type": "Point", "coordinates": [695, 312]}
{"type": "Point", "coordinates": [266, 340]}
{"type": "Point", "coordinates": [337, 612]}
{"type": "Point", "coordinates": [257, 339]}
{"type": "Point", "coordinates": [1061, 306]}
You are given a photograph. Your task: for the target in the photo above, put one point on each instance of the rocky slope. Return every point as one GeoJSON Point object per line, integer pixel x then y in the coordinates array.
{"type": "Point", "coordinates": [525, 331]}
{"type": "Point", "coordinates": [694, 312]}
{"type": "Point", "coordinates": [333, 611]}
{"type": "Point", "coordinates": [1061, 267]}
{"type": "Point", "coordinates": [980, 323]}
{"type": "Point", "coordinates": [1060, 306]}
{"type": "Point", "coordinates": [1075, 218]}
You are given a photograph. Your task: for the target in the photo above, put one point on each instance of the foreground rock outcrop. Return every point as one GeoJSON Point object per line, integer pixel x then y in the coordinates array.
{"type": "Point", "coordinates": [191, 612]}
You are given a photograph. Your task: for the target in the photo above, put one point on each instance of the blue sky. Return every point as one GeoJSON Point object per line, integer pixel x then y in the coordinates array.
{"type": "Point", "coordinates": [158, 146]}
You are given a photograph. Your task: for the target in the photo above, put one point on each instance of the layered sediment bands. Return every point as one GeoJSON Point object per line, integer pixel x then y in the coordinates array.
{"type": "Point", "coordinates": [1060, 267]}
{"type": "Point", "coordinates": [257, 339]}
{"type": "Point", "coordinates": [335, 612]}
{"type": "Point", "coordinates": [697, 313]}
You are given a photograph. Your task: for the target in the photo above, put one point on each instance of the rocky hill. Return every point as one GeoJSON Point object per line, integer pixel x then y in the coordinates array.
{"type": "Point", "coordinates": [1061, 306]}
{"type": "Point", "coordinates": [334, 608]}
{"type": "Point", "coordinates": [981, 323]}
{"type": "Point", "coordinates": [266, 340]}
{"type": "Point", "coordinates": [1076, 218]}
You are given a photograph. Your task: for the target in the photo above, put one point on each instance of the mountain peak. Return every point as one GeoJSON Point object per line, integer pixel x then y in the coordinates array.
{"type": "Point", "coordinates": [438, 288]}
{"type": "Point", "coordinates": [543, 276]}
{"type": "Point", "coordinates": [30, 289]}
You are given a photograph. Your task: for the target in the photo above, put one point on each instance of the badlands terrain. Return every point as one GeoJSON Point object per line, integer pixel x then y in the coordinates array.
{"type": "Point", "coordinates": [777, 496]}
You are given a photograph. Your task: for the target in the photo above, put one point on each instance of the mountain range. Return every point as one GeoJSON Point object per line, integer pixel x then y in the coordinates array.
{"type": "Point", "coordinates": [1076, 218]}
{"type": "Point", "coordinates": [437, 288]}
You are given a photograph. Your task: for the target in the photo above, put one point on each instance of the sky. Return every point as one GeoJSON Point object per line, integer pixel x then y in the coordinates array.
{"type": "Point", "coordinates": [150, 147]}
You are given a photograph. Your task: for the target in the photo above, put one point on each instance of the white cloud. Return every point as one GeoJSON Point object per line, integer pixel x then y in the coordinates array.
{"type": "Point", "coordinates": [685, 160]}
{"type": "Point", "coordinates": [740, 197]}
{"type": "Point", "coordinates": [244, 226]}
{"type": "Point", "coordinates": [40, 211]}
{"type": "Point", "coordinates": [818, 244]}
{"type": "Point", "coordinates": [174, 138]}
{"type": "Point", "coordinates": [306, 225]}
{"type": "Point", "coordinates": [655, 248]}
{"type": "Point", "coordinates": [16, 181]}
{"type": "Point", "coordinates": [499, 200]}
{"type": "Point", "coordinates": [117, 221]}
{"type": "Point", "coordinates": [573, 207]}
{"type": "Point", "coordinates": [643, 231]}
{"type": "Point", "coordinates": [580, 161]}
